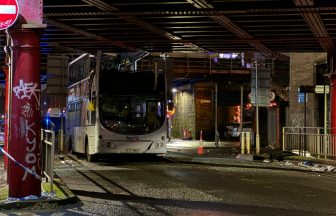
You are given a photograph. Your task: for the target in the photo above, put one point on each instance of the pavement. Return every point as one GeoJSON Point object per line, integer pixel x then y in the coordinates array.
{"type": "Point", "coordinates": [229, 154]}
{"type": "Point", "coordinates": [189, 151]}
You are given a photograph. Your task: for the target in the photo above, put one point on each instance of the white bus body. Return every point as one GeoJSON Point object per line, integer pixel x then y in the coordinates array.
{"type": "Point", "coordinates": [106, 114]}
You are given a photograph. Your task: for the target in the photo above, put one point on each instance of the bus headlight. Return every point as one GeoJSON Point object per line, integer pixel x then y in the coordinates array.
{"type": "Point", "coordinates": [108, 144]}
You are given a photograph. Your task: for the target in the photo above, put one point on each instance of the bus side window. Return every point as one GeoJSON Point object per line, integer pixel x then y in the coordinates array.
{"type": "Point", "coordinates": [70, 107]}
{"type": "Point", "coordinates": [88, 120]}
{"type": "Point", "coordinates": [78, 105]}
{"type": "Point", "coordinates": [78, 114]}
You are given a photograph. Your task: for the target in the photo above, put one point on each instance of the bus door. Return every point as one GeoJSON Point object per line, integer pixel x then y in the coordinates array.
{"type": "Point", "coordinates": [79, 128]}
{"type": "Point", "coordinates": [91, 110]}
{"type": "Point", "coordinates": [70, 119]}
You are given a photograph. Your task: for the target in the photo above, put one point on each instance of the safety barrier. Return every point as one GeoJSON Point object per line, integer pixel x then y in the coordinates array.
{"type": "Point", "coordinates": [309, 140]}
{"type": "Point", "coordinates": [48, 151]}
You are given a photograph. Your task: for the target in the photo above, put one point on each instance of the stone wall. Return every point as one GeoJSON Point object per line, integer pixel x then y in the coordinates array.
{"type": "Point", "coordinates": [184, 117]}
{"type": "Point", "coordinates": [194, 111]}
{"type": "Point", "coordinates": [302, 73]}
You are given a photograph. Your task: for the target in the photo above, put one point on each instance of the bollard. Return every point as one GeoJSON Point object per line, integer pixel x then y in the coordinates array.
{"type": "Point", "coordinates": [242, 143]}
{"type": "Point", "coordinates": [200, 147]}
{"type": "Point", "coordinates": [245, 141]}
{"type": "Point", "coordinates": [60, 132]}
{"type": "Point", "coordinates": [283, 139]}
{"type": "Point", "coordinates": [248, 141]}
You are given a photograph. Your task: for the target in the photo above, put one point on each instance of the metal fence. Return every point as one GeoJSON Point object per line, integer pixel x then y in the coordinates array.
{"type": "Point", "coordinates": [316, 141]}
{"type": "Point", "coordinates": [48, 148]}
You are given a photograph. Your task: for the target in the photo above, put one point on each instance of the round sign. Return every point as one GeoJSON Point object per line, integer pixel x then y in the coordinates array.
{"type": "Point", "coordinates": [9, 11]}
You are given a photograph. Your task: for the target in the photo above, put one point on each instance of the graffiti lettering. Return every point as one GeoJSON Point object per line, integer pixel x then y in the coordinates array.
{"type": "Point", "coordinates": [27, 110]}
{"type": "Point", "coordinates": [33, 169]}
{"type": "Point", "coordinates": [6, 23]}
{"type": "Point", "coordinates": [297, 120]}
{"type": "Point", "coordinates": [30, 158]}
{"type": "Point", "coordinates": [27, 90]}
{"type": "Point", "coordinates": [33, 141]}
{"type": "Point", "coordinates": [16, 131]}
{"type": "Point", "coordinates": [26, 131]}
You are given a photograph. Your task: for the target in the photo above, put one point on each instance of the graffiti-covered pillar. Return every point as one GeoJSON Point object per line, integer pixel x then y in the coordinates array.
{"type": "Point", "coordinates": [333, 102]}
{"type": "Point", "coordinates": [24, 131]}
{"type": "Point", "coordinates": [332, 70]}
{"type": "Point", "coordinates": [25, 120]}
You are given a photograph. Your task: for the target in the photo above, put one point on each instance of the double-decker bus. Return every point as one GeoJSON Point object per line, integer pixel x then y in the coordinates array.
{"type": "Point", "coordinates": [111, 112]}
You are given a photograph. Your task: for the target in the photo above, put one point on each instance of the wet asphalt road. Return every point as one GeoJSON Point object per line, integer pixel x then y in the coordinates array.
{"type": "Point", "coordinates": [161, 187]}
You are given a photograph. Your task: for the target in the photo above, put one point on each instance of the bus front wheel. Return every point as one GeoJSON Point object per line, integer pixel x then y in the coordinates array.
{"type": "Point", "coordinates": [69, 146]}
{"type": "Point", "coordinates": [89, 158]}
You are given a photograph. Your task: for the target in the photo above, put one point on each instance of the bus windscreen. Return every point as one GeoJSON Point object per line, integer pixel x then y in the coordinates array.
{"type": "Point", "coordinates": [129, 103]}
{"type": "Point", "coordinates": [114, 82]}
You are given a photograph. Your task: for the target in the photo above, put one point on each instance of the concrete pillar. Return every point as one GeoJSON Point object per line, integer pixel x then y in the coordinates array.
{"type": "Point", "coordinates": [24, 101]}
{"type": "Point", "coordinates": [332, 70]}
{"type": "Point", "coordinates": [302, 73]}
{"type": "Point", "coordinates": [25, 119]}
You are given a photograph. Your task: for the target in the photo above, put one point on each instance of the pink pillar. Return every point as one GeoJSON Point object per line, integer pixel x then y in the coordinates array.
{"type": "Point", "coordinates": [25, 119]}
{"type": "Point", "coordinates": [333, 103]}
{"type": "Point", "coordinates": [332, 71]}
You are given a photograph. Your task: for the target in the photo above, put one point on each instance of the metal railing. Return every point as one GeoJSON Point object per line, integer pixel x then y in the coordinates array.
{"type": "Point", "coordinates": [314, 140]}
{"type": "Point", "coordinates": [48, 148]}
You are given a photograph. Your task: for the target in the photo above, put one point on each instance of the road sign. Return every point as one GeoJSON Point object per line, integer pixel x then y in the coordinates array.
{"type": "Point", "coordinates": [9, 11]}
{"type": "Point", "coordinates": [265, 97]}
{"type": "Point", "coordinates": [321, 89]}
{"type": "Point", "coordinates": [263, 81]}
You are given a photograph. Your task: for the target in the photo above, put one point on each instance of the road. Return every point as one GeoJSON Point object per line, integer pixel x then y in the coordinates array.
{"type": "Point", "coordinates": [161, 187]}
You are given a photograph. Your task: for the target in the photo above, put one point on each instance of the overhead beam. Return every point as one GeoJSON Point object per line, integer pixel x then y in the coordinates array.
{"type": "Point", "coordinates": [57, 45]}
{"type": "Point", "coordinates": [237, 30]}
{"type": "Point", "coordinates": [202, 12]}
{"type": "Point", "coordinates": [140, 23]}
{"type": "Point", "coordinates": [184, 72]}
{"type": "Point", "coordinates": [316, 25]}
{"type": "Point", "coordinates": [116, 43]}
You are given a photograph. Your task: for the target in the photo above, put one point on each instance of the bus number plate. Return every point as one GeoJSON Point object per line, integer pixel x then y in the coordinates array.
{"type": "Point", "coordinates": [132, 150]}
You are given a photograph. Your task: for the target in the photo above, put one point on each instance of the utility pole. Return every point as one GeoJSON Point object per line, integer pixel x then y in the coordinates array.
{"type": "Point", "coordinates": [216, 116]}
{"type": "Point", "coordinates": [257, 110]}
{"type": "Point", "coordinates": [241, 108]}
